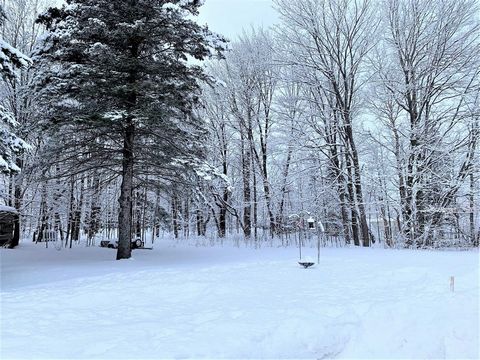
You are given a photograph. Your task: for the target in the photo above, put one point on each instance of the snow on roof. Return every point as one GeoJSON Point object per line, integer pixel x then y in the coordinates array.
{"type": "Point", "coordinates": [4, 208]}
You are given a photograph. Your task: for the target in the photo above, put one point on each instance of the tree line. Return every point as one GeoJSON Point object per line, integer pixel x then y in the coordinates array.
{"type": "Point", "coordinates": [361, 115]}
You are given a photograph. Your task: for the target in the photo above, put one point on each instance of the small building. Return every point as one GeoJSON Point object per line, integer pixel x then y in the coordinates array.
{"type": "Point", "coordinates": [9, 227]}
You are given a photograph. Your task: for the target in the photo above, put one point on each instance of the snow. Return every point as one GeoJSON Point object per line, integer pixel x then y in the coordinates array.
{"type": "Point", "coordinates": [180, 301]}
{"type": "Point", "coordinates": [10, 143]}
{"type": "Point", "coordinates": [7, 52]}
{"type": "Point", "coordinates": [4, 208]}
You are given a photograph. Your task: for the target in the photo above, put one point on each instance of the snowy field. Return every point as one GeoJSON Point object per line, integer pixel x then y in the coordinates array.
{"type": "Point", "coordinates": [199, 302]}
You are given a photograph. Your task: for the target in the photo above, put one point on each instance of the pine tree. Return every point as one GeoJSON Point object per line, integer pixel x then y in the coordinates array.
{"type": "Point", "coordinates": [120, 87]}
{"type": "Point", "coordinates": [10, 144]}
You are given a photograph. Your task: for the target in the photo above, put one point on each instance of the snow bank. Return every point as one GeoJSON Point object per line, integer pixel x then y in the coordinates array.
{"type": "Point", "coordinates": [193, 302]}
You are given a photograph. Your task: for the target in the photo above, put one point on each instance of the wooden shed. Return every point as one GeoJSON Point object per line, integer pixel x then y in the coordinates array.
{"type": "Point", "coordinates": [9, 227]}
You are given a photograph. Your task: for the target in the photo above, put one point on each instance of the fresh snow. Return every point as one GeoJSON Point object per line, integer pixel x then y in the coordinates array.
{"type": "Point", "coordinates": [179, 301]}
{"type": "Point", "coordinates": [5, 208]}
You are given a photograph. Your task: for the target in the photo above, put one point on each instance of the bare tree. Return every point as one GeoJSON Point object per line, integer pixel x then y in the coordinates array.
{"type": "Point", "coordinates": [332, 38]}
{"type": "Point", "coordinates": [432, 50]}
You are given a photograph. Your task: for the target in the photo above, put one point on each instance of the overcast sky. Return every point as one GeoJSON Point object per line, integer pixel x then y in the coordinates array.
{"type": "Point", "coordinates": [230, 17]}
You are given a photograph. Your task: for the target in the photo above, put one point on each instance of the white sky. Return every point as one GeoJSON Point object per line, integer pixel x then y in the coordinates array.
{"type": "Point", "coordinates": [230, 17]}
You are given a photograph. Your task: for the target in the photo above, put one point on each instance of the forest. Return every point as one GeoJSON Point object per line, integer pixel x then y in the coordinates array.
{"type": "Point", "coordinates": [354, 121]}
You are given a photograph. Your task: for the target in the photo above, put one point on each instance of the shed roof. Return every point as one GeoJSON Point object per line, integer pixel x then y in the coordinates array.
{"type": "Point", "coordinates": [8, 213]}
{"type": "Point", "coordinates": [4, 208]}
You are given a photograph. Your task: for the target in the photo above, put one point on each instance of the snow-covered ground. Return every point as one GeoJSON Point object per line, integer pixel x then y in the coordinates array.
{"type": "Point", "coordinates": [199, 302]}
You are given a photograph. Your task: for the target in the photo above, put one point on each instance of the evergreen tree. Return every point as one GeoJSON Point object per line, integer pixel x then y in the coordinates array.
{"type": "Point", "coordinates": [120, 85]}
{"type": "Point", "coordinates": [10, 144]}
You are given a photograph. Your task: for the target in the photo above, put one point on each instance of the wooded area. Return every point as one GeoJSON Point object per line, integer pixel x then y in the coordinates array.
{"type": "Point", "coordinates": [127, 119]}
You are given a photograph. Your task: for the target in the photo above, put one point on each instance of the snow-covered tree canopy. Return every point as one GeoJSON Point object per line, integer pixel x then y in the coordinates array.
{"type": "Point", "coordinates": [10, 58]}
{"type": "Point", "coordinates": [10, 144]}
{"type": "Point", "coordinates": [106, 63]}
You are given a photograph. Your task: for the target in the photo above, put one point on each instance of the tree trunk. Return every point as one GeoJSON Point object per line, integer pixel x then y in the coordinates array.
{"type": "Point", "coordinates": [386, 224]}
{"type": "Point", "coordinates": [186, 218]}
{"type": "Point", "coordinates": [247, 205]}
{"type": "Point", "coordinates": [283, 191]}
{"type": "Point", "coordinates": [199, 214]}
{"type": "Point", "coordinates": [78, 215]}
{"type": "Point", "coordinates": [124, 250]}
{"type": "Point", "coordinates": [338, 174]}
{"type": "Point", "coordinates": [94, 218]}
{"type": "Point", "coordinates": [266, 186]}
{"type": "Point", "coordinates": [17, 203]}
{"type": "Point", "coordinates": [56, 205]}
{"type": "Point", "coordinates": [255, 204]}
{"type": "Point", "coordinates": [43, 220]}
{"type": "Point", "coordinates": [352, 201]}
{"type": "Point", "coordinates": [471, 197]}
{"type": "Point", "coordinates": [222, 222]}
{"type": "Point", "coordinates": [175, 224]}
{"type": "Point", "coordinates": [138, 214]}
{"type": "Point", "coordinates": [70, 211]}
{"type": "Point", "coordinates": [358, 187]}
